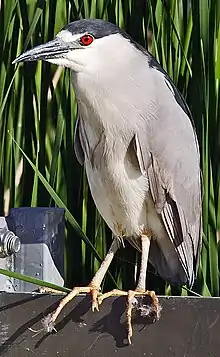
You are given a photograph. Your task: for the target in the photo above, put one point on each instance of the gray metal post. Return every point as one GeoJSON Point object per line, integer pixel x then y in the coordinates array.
{"type": "Point", "coordinates": [41, 255]}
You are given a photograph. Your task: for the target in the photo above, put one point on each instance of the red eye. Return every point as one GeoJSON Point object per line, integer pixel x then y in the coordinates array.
{"type": "Point", "coordinates": [86, 40]}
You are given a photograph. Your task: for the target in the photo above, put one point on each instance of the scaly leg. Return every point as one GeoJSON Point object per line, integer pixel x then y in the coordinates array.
{"type": "Point", "coordinates": [93, 288]}
{"type": "Point", "coordinates": [141, 286]}
{"type": "Point", "coordinates": [140, 289]}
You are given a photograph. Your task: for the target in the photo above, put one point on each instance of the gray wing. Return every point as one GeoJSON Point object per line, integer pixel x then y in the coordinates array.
{"type": "Point", "coordinates": [174, 179]}
{"type": "Point", "coordinates": [81, 146]}
{"type": "Point", "coordinates": [77, 143]}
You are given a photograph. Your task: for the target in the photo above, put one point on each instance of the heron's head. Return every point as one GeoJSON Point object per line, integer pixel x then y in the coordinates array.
{"type": "Point", "coordinates": [83, 44]}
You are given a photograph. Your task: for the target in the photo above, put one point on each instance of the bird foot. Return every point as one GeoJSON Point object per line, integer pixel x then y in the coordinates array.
{"type": "Point", "coordinates": [49, 321]}
{"type": "Point", "coordinates": [130, 304]}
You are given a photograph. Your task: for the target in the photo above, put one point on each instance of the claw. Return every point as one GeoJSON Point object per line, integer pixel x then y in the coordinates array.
{"type": "Point", "coordinates": [49, 321]}
{"type": "Point", "coordinates": [97, 299]}
{"type": "Point", "coordinates": [95, 304]}
{"type": "Point", "coordinates": [131, 302]}
{"type": "Point", "coordinates": [130, 306]}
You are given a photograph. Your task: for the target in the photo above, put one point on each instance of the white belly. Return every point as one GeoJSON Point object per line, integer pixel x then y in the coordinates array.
{"type": "Point", "coordinates": [120, 191]}
{"type": "Point", "coordinates": [124, 201]}
{"type": "Point", "coordinates": [122, 197]}
{"type": "Point", "coordinates": [120, 201]}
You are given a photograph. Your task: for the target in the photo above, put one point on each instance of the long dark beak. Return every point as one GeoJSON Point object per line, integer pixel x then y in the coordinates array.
{"type": "Point", "coordinates": [53, 49]}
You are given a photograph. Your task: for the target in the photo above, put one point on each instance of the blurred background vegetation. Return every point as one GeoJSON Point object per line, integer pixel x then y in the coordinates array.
{"type": "Point", "coordinates": [38, 113]}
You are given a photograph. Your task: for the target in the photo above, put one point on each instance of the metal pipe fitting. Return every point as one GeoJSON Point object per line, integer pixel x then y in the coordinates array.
{"type": "Point", "coordinates": [9, 242]}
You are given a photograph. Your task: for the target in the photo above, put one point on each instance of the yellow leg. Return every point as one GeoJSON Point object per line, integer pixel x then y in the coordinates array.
{"type": "Point", "coordinates": [93, 289]}
{"type": "Point", "coordinates": [130, 296]}
{"type": "Point", "coordinates": [49, 320]}
{"type": "Point", "coordinates": [139, 291]}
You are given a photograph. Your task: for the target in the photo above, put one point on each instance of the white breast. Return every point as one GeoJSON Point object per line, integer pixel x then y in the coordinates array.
{"type": "Point", "coordinates": [118, 188]}
{"type": "Point", "coordinates": [119, 191]}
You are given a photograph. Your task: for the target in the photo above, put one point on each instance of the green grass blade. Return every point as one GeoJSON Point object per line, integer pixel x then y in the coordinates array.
{"type": "Point", "coordinates": [29, 279]}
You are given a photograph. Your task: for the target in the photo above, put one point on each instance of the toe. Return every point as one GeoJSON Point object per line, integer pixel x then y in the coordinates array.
{"type": "Point", "coordinates": [95, 304]}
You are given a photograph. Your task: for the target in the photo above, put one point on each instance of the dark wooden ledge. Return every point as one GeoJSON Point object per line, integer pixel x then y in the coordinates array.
{"type": "Point", "coordinates": [188, 327]}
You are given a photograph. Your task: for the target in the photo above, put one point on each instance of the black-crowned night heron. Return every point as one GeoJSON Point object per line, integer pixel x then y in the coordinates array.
{"type": "Point", "coordinates": [135, 137]}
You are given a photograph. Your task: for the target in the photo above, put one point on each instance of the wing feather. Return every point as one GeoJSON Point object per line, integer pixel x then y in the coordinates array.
{"type": "Point", "coordinates": [81, 145]}
{"type": "Point", "coordinates": [184, 234]}
{"type": "Point", "coordinates": [174, 175]}
{"type": "Point", "coordinates": [77, 143]}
